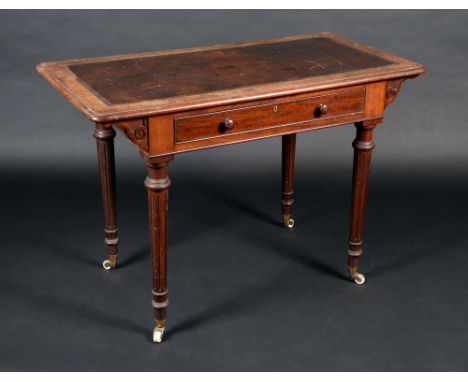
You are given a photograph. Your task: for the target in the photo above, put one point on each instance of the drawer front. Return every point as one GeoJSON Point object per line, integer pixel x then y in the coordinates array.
{"type": "Point", "coordinates": [238, 120]}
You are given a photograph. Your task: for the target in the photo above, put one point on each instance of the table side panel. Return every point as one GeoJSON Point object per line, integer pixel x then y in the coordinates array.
{"type": "Point", "coordinates": [375, 99]}
{"type": "Point", "coordinates": [162, 134]}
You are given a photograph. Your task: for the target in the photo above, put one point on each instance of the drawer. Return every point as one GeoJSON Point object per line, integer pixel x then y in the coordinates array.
{"type": "Point", "coordinates": [189, 128]}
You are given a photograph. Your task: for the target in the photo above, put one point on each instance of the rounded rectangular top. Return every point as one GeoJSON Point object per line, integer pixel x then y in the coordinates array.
{"type": "Point", "coordinates": [135, 85]}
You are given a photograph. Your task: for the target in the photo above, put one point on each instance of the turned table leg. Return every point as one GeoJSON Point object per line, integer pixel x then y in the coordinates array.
{"type": "Point", "coordinates": [363, 146]}
{"type": "Point", "coordinates": [105, 150]}
{"type": "Point", "coordinates": [288, 154]}
{"type": "Point", "coordinates": [157, 183]}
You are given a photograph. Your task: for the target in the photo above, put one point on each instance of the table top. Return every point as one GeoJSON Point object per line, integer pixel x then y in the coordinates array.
{"type": "Point", "coordinates": [120, 87]}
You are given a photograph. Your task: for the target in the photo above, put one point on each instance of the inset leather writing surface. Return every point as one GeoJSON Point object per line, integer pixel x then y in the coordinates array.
{"type": "Point", "coordinates": [159, 77]}
{"type": "Point", "coordinates": [138, 85]}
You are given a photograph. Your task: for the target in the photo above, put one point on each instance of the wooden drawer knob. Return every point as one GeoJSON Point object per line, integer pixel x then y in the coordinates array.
{"type": "Point", "coordinates": [228, 124]}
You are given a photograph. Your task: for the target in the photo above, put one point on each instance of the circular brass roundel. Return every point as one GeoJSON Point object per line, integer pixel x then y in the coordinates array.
{"type": "Point", "coordinates": [140, 133]}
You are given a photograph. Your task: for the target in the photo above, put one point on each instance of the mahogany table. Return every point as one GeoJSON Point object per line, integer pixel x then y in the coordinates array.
{"type": "Point", "coordinates": [170, 102]}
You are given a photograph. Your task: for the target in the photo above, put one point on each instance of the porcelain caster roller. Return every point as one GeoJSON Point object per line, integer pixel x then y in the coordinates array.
{"type": "Point", "coordinates": [288, 222]}
{"type": "Point", "coordinates": [108, 264]}
{"type": "Point", "coordinates": [158, 334]}
{"type": "Point", "coordinates": [358, 278]}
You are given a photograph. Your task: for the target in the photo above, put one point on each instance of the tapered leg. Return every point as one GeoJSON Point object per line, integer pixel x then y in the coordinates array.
{"type": "Point", "coordinates": [157, 183]}
{"type": "Point", "coordinates": [288, 155]}
{"type": "Point", "coordinates": [105, 150]}
{"type": "Point", "coordinates": [363, 146]}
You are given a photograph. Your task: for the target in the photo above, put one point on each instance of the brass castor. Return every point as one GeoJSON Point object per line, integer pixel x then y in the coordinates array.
{"type": "Point", "coordinates": [288, 221]}
{"type": "Point", "coordinates": [108, 264]}
{"type": "Point", "coordinates": [158, 333]}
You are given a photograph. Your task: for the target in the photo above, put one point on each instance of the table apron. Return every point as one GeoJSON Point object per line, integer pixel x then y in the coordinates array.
{"type": "Point", "coordinates": [161, 135]}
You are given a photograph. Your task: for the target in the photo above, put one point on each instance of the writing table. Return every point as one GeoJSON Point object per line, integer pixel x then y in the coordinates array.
{"type": "Point", "coordinates": [170, 102]}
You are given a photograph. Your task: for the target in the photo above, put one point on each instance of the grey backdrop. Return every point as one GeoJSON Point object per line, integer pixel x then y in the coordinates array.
{"type": "Point", "coordinates": [245, 294]}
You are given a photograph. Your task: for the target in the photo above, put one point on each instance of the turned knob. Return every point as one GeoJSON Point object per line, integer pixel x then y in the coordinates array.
{"type": "Point", "coordinates": [322, 109]}
{"type": "Point", "coordinates": [228, 124]}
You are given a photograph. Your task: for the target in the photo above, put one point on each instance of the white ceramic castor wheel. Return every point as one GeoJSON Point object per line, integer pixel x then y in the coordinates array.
{"type": "Point", "coordinates": [107, 265]}
{"type": "Point", "coordinates": [358, 278]}
{"type": "Point", "coordinates": [158, 334]}
{"type": "Point", "coordinates": [288, 221]}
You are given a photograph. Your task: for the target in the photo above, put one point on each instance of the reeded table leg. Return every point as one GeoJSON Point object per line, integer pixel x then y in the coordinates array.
{"type": "Point", "coordinates": [105, 150]}
{"type": "Point", "coordinates": [363, 146]}
{"type": "Point", "coordinates": [157, 183]}
{"type": "Point", "coordinates": [288, 154]}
